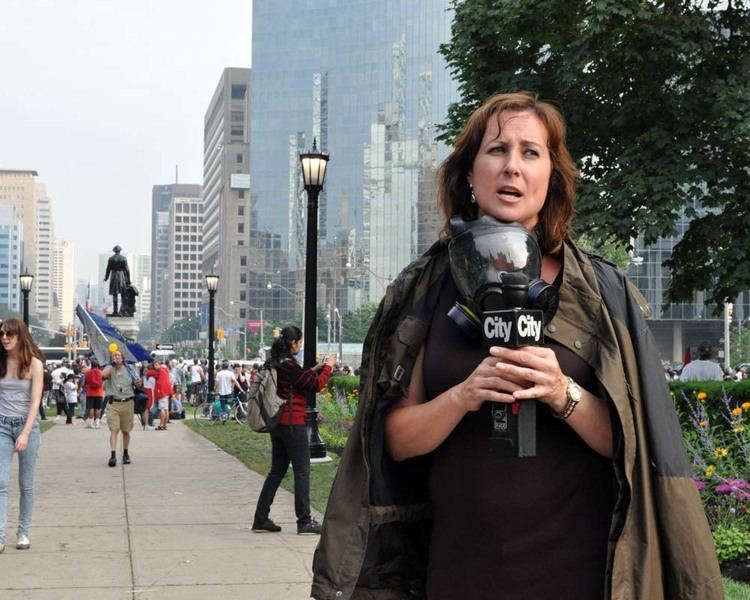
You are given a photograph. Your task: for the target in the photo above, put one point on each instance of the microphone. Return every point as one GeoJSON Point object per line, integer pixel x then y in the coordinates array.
{"type": "Point", "coordinates": [505, 322]}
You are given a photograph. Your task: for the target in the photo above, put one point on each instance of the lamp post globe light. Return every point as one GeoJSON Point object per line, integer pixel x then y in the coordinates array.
{"type": "Point", "coordinates": [26, 280]}
{"type": "Point", "coordinates": [314, 167]}
{"type": "Point", "coordinates": [212, 284]}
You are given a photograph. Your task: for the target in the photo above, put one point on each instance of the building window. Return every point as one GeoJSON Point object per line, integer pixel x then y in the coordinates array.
{"type": "Point", "coordinates": [238, 91]}
{"type": "Point", "coordinates": [242, 313]}
{"type": "Point", "coordinates": [240, 211]}
{"type": "Point", "coordinates": [242, 296]}
{"type": "Point", "coordinates": [243, 261]}
{"type": "Point", "coordinates": [239, 159]}
{"type": "Point", "coordinates": [242, 194]}
{"type": "Point", "coordinates": [237, 132]}
{"type": "Point", "coordinates": [240, 228]}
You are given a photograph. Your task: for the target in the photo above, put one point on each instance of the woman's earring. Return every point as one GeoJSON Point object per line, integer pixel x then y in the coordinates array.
{"type": "Point", "coordinates": [473, 197]}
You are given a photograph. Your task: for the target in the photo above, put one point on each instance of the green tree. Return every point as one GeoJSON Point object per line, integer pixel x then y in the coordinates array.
{"type": "Point", "coordinates": [657, 99]}
{"type": "Point", "coordinates": [182, 330]}
{"type": "Point", "coordinates": [357, 323]}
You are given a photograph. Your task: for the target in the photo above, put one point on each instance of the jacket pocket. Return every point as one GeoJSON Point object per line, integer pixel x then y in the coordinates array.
{"type": "Point", "coordinates": [400, 354]}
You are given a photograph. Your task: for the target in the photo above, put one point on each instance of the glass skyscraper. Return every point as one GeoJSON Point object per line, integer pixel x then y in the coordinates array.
{"type": "Point", "coordinates": [365, 80]}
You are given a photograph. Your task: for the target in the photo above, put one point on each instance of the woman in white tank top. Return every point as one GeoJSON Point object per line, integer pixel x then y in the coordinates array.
{"type": "Point", "coordinates": [21, 382]}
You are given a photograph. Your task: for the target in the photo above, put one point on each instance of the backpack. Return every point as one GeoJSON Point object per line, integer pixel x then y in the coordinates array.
{"type": "Point", "coordinates": [264, 406]}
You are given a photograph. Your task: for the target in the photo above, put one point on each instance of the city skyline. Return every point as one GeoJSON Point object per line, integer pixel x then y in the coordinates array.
{"type": "Point", "coordinates": [108, 101]}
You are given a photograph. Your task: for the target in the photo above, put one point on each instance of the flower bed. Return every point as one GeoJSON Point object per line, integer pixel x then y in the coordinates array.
{"type": "Point", "coordinates": [715, 419]}
{"type": "Point", "coordinates": [338, 404]}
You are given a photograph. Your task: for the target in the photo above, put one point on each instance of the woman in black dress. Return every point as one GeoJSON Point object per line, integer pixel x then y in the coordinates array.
{"type": "Point", "coordinates": [424, 504]}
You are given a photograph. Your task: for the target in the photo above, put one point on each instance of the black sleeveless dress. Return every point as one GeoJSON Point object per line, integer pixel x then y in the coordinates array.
{"type": "Point", "coordinates": [512, 528]}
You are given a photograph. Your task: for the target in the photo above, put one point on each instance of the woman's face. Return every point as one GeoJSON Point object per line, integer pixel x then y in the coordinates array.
{"type": "Point", "coordinates": [117, 357]}
{"type": "Point", "coordinates": [296, 346]}
{"type": "Point", "coordinates": [9, 340]}
{"type": "Point", "coordinates": [512, 169]}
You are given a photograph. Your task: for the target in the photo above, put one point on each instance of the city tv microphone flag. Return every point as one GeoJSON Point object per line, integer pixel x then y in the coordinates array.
{"type": "Point", "coordinates": [102, 333]}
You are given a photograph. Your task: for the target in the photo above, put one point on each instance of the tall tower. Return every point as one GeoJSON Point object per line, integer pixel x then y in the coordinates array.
{"type": "Point", "coordinates": [63, 283]}
{"type": "Point", "coordinates": [45, 236]}
{"type": "Point", "coordinates": [226, 196]}
{"type": "Point", "coordinates": [370, 86]}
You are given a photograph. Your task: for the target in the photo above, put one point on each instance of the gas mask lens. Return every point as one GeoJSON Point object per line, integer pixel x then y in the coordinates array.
{"type": "Point", "coordinates": [484, 250]}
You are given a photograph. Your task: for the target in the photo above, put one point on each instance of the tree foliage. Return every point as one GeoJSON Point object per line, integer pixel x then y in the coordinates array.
{"type": "Point", "coordinates": [182, 330]}
{"type": "Point", "coordinates": [357, 323]}
{"type": "Point", "coordinates": [657, 99]}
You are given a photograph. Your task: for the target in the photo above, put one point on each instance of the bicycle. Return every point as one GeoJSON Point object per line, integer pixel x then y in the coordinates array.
{"type": "Point", "coordinates": [210, 412]}
{"type": "Point", "coordinates": [238, 410]}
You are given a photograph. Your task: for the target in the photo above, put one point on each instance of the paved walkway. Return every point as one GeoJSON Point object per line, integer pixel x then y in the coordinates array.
{"type": "Point", "coordinates": [174, 524]}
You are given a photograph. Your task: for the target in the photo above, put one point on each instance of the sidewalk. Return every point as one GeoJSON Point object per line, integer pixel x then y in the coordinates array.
{"type": "Point", "coordinates": [174, 524]}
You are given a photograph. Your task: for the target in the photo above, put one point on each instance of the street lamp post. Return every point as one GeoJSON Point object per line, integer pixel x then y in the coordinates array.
{"type": "Point", "coordinates": [212, 284]}
{"type": "Point", "coordinates": [27, 280]}
{"type": "Point", "coordinates": [314, 166]}
{"type": "Point", "coordinates": [341, 334]}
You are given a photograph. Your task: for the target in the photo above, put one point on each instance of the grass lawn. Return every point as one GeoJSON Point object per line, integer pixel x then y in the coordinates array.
{"type": "Point", "coordinates": [735, 591]}
{"type": "Point", "coordinates": [254, 450]}
{"type": "Point", "coordinates": [45, 425]}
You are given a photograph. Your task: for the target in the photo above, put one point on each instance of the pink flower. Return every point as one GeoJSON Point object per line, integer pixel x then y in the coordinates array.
{"type": "Point", "coordinates": [699, 485]}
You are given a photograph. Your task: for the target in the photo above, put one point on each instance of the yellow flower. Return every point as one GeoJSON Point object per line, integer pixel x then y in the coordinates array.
{"type": "Point", "coordinates": [721, 452]}
{"type": "Point", "coordinates": [702, 396]}
{"type": "Point", "coordinates": [703, 423]}
{"type": "Point", "coordinates": [746, 406]}
{"type": "Point", "coordinates": [710, 470]}
{"type": "Point", "coordinates": [737, 412]}
{"type": "Point", "coordinates": [739, 429]}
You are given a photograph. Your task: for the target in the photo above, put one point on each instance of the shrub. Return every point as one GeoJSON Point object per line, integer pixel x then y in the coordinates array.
{"type": "Point", "coordinates": [731, 541]}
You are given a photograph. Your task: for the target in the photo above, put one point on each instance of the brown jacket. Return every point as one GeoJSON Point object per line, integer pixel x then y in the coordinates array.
{"type": "Point", "coordinates": [375, 528]}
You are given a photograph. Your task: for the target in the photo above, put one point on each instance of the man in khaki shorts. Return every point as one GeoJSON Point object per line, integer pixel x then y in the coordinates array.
{"type": "Point", "coordinates": [119, 386]}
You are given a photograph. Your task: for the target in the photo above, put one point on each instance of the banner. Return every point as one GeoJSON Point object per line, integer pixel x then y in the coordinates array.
{"type": "Point", "coordinates": [254, 325]}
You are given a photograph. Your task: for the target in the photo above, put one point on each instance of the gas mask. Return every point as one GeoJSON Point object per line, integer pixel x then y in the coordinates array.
{"type": "Point", "coordinates": [496, 267]}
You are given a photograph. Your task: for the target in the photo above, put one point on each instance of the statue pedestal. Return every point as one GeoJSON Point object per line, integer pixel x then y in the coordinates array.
{"type": "Point", "coordinates": [128, 326]}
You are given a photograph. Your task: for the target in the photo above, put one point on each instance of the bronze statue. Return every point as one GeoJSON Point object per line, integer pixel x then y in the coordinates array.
{"type": "Point", "coordinates": [117, 266]}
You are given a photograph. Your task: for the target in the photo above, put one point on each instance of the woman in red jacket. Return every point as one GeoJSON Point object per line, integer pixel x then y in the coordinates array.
{"type": "Point", "coordinates": [289, 440]}
{"type": "Point", "coordinates": [162, 391]}
{"type": "Point", "coordinates": [94, 394]}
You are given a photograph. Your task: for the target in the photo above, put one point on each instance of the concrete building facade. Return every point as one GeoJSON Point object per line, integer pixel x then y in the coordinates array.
{"type": "Point", "coordinates": [162, 240]}
{"type": "Point", "coordinates": [226, 196]}
{"type": "Point", "coordinates": [183, 279]}
{"type": "Point", "coordinates": [18, 189]}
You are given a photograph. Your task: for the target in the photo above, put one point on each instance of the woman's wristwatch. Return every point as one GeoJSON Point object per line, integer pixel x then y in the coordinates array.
{"type": "Point", "coordinates": [573, 394]}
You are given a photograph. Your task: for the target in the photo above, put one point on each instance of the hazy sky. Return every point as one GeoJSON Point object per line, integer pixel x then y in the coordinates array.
{"type": "Point", "coordinates": [104, 97]}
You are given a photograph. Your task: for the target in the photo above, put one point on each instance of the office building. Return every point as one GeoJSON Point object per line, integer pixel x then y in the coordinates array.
{"type": "Point", "coordinates": [18, 189]}
{"type": "Point", "coordinates": [182, 281]}
{"type": "Point", "coordinates": [162, 240]}
{"type": "Point", "coordinates": [684, 325]}
{"type": "Point", "coordinates": [140, 277]}
{"type": "Point", "coordinates": [45, 236]}
{"type": "Point", "coordinates": [364, 80]}
{"type": "Point", "coordinates": [63, 284]}
{"type": "Point", "coordinates": [11, 256]}
{"type": "Point", "coordinates": [226, 197]}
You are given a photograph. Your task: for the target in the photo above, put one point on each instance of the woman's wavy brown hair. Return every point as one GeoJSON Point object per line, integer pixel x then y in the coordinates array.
{"type": "Point", "coordinates": [454, 194]}
{"type": "Point", "coordinates": [27, 348]}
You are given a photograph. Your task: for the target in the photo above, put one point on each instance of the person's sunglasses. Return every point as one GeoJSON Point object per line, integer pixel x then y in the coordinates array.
{"type": "Point", "coordinates": [7, 334]}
